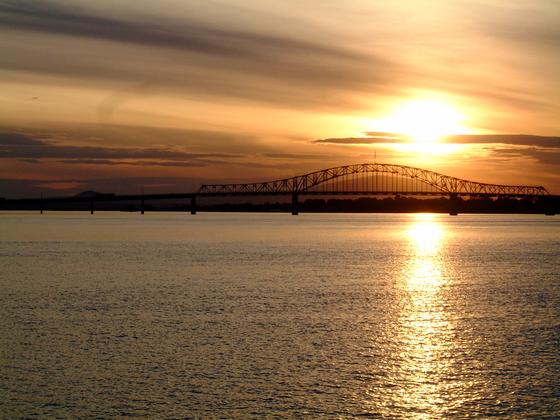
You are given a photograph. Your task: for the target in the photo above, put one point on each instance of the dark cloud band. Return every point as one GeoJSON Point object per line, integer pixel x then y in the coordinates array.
{"type": "Point", "coordinates": [20, 146]}
{"type": "Point", "coordinates": [511, 139]}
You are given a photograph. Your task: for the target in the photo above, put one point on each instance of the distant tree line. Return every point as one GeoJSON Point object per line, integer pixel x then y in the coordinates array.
{"type": "Point", "coordinates": [399, 205]}
{"type": "Point", "coordinates": [335, 205]}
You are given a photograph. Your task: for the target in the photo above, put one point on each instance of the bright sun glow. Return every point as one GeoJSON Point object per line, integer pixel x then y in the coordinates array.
{"type": "Point", "coordinates": [424, 120]}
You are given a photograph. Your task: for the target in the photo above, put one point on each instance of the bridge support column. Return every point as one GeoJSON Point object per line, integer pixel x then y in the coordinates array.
{"type": "Point", "coordinates": [91, 207]}
{"type": "Point", "coordinates": [142, 206]}
{"type": "Point", "coordinates": [295, 204]}
{"type": "Point", "coordinates": [454, 205]}
{"type": "Point", "coordinates": [193, 204]}
{"type": "Point", "coordinates": [550, 206]}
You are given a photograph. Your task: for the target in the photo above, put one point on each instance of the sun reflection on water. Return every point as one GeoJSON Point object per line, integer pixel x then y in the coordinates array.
{"type": "Point", "coordinates": [424, 332]}
{"type": "Point", "coordinates": [425, 263]}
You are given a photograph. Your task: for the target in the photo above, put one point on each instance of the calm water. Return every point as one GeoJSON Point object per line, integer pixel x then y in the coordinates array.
{"type": "Point", "coordinates": [246, 315]}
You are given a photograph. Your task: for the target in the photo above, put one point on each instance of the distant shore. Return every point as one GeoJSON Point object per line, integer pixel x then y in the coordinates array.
{"type": "Point", "coordinates": [334, 205]}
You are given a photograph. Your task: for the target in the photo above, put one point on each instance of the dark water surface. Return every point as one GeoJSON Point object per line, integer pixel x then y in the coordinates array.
{"type": "Point", "coordinates": [247, 315]}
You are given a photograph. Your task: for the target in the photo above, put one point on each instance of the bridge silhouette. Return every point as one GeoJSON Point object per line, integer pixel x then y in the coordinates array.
{"type": "Point", "coordinates": [367, 179]}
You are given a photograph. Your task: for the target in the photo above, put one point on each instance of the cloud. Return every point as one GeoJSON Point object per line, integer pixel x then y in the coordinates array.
{"type": "Point", "coordinates": [356, 140]}
{"type": "Point", "coordinates": [23, 147]}
{"type": "Point", "coordinates": [200, 140]}
{"type": "Point", "coordinates": [386, 135]}
{"type": "Point", "coordinates": [512, 139]}
{"type": "Point", "coordinates": [206, 59]}
{"type": "Point", "coordinates": [295, 156]}
{"type": "Point", "coordinates": [35, 150]}
{"type": "Point", "coordinates": [279, 57]}
{"type": "Point", "coordinates": [531, 24]}
{"type": "Point", "coordinates": [151, 163]}
{"type": "Point", "coordinates": [516, 139]}
{"type": "Point", "coordinates": [546, 156]}
{"type": "Point", "coordinates": [17, 139]}
{"type": "Point", "coordinates": [52, 17]}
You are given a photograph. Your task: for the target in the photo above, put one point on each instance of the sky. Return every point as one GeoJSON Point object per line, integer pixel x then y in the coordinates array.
{"type": "Point", "coordinates": [126, 96]}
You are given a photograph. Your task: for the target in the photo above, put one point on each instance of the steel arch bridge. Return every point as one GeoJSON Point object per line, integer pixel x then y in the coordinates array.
{"type": "Point", "coordinates": [372, 179]}
{"type": "Point", "coordinates": [363, 179]}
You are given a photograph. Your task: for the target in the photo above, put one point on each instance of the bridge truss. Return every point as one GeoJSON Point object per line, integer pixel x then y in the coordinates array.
{"type": "Point", "coordinates": [374, 178]}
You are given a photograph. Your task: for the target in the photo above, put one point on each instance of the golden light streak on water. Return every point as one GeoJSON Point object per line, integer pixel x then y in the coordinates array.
{"type": "Point", "coordinates": [424, 330]}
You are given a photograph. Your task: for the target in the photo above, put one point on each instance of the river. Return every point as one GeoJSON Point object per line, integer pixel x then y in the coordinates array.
{"type": "Point", "coordinates": [252, 315]}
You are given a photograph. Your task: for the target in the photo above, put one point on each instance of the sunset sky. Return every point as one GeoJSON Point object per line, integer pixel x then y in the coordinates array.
{"type": "Point", "coordinates": [124, 95]}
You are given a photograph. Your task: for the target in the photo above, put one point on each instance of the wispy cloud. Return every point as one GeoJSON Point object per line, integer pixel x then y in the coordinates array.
{"type": "Point", "coordinates": [511, 139]}
{"type": "Point", "coordinates": [53, 17]}
{"type": "Point", "coordinates": [187, 55]}
{"type": "Point", "coordinates": [546, 156]}
{"type": "Point", "coordinates": [297, 156]}
{"type": "Point", "coordinates": [527, 24]}
{"type": "Point", "coordinates": [148, 163]}
{"type": "Point", "coordinates": [516, 139]}
{"type": "Point", "coordinates": [20, 146]}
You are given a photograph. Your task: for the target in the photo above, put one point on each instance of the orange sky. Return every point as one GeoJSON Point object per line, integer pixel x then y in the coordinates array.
{"type": "Point", "coordinates": [124, 95]}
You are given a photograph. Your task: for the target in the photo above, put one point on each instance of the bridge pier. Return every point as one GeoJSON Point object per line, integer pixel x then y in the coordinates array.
{"type": "Point", "coordinates": [549, 205]}
{"type": "Point", "coordinates": [142, 206]}
{"type": "Point", "coordinates": [454, 205]}
{"type": "Point", "coordinates": [549, 209]}
{"type": "Point", "coordinates": [193, 204]}
{"type": "Point", "coordinates": [91, 207]}
{"type": "Point", "coordinates": [295, 204]}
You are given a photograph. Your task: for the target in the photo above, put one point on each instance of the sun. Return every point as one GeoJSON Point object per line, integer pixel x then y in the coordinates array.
{"type": "Point", "coordinates": [424, 121]}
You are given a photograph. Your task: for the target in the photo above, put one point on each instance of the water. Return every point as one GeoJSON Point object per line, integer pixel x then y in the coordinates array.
{"type": "Point", "coordinates": [247, 315]}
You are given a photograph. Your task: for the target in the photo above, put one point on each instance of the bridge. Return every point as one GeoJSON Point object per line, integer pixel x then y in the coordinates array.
{"type": "Point", "coordinates": [367, 179]}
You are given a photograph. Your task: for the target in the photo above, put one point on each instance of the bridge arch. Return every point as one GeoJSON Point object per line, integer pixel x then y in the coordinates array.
{"type": "Point", "coordinates": [374, 178]}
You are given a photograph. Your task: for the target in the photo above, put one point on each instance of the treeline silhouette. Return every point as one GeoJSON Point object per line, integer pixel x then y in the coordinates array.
{"type": "Point", "coordinates": [374, 205]}
{"type": "Point", "coordinates": [399, 204]}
